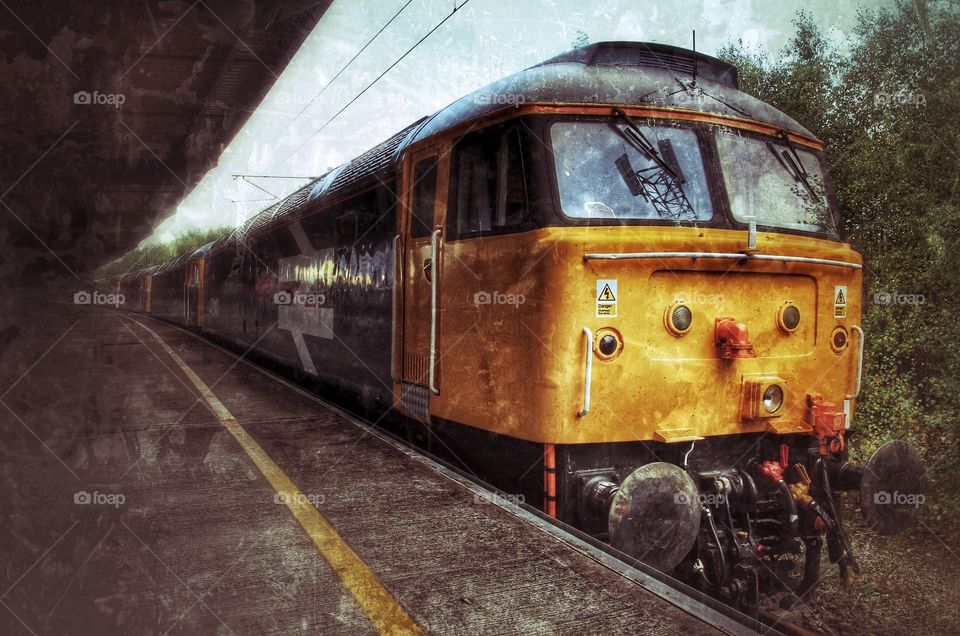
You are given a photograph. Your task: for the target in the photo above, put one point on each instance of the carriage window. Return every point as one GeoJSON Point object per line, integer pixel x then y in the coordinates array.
{"type": "Point", "coordinates": [489, 182]}
{"type": "Point", "coordinates": [607, 170]}
{"type": "Point", "coordinates": [345, 229]}
{"type": "Point", "coordinates": [424, 197]}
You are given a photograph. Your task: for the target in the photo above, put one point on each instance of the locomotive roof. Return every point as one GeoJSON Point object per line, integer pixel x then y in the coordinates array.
{"type": "Point", "coordinates": [636, 73]}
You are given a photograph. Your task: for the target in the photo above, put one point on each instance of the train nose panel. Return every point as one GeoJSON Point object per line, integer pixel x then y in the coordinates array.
{"type": "Point", "coordinates": [711, 300]}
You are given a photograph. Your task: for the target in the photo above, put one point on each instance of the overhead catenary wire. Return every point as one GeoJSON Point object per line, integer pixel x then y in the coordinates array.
{"type": "Point", "coordinates": [349, 62]}
{"type": "Point", "coordinates": [376, 79]}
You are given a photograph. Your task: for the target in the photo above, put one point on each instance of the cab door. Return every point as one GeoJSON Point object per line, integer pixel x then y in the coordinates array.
{"type": "Point", "coordinates": [420, 244]}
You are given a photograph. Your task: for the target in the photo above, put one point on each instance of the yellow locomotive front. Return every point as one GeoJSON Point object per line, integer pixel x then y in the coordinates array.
{"type": "Point", "coordinates": [694, 329]}
{"type": "Point", "coordinates": [644, 288]}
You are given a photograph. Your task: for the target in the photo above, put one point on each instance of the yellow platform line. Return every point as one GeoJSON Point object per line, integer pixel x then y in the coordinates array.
{"type": "Point", "coordinates": [386, 614]}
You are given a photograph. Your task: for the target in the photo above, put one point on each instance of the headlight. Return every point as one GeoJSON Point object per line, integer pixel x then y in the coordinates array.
{"type": "Point", "coordinates": [678, 319]}
{"type": "Point", "coordinates": [788, 317]}
{"type": "Point", "coordinates": [839, 340]}
{"type": "Point", "coordinates": [607, 344]}
{"type": "Point", "coordinates": [772, 398]}
{"type": "Point", "coordinates": [762, 398]}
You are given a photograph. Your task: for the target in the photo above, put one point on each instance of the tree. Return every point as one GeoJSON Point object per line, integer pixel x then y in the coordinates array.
{"type": "Point", "coordinates": [888, 114]}
{"type": "Point", "coordinates": [581, 40]}
{"type": "Point", "coordinates": [157, 253]}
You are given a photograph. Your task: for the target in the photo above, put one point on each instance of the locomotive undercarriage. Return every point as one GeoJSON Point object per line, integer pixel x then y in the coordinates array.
{"type": "Point", "coordinates": [740, 517]}
{"type": "Point", "coordinates": [736, 517]}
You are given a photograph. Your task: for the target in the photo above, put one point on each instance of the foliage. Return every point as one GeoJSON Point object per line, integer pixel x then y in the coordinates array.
{"type": "Point", "coordinates": [887, 111]}
{"type": "Point", "coordinates": [581, 40]}
{"type": "Point", "coordinates": [157, 253]}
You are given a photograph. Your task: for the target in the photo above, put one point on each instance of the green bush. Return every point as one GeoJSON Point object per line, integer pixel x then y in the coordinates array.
{"type": "Point", "coordinates": [887, 110]}
{"type": "Point", "coordinates": [157, 253]}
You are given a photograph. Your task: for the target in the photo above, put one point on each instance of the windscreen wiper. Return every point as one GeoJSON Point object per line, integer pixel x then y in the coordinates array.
{"type": "Point", "coordinates": [633, 134]}
{"type": "Point", "coordinates": [661, 185]}
{"type": "Point", "coordinates": [791, 161]}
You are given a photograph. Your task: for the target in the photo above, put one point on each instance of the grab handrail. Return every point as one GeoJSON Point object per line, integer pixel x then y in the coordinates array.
{"type": "Point", "coordinates": [588, 372]}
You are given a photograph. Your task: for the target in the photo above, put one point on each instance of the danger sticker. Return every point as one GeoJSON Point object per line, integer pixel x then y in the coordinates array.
{"type": "Point", "coordinates": [840, 301]}
{"type": "Point", "coordinates": [607, 298]}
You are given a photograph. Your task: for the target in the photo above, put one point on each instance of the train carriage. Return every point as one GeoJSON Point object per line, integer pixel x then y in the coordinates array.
{"type": "Point", "coordinates": [612, 281]}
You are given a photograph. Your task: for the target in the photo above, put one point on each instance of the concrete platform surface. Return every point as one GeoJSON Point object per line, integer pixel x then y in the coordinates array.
{"type": "Point", "coordinates": [130, 507]}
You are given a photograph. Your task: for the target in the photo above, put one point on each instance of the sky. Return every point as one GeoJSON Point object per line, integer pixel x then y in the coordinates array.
{"type": "Point", "coordinates": [482, 42]}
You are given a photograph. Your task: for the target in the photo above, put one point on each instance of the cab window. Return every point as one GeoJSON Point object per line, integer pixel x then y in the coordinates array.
{"type": "Point", "coordinates": [424, 197]}
{"type": "Point", "coordinates": [488, 183]}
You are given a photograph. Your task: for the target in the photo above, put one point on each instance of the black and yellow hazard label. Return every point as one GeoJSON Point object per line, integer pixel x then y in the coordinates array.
{"type": "Point", "coordinates": [606, 297]}
{"type": "Point", "coordinates": [840, 301]}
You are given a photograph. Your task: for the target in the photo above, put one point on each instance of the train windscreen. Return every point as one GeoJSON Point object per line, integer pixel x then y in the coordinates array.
{"type": "Point", "coordinates": [617, 170]}
{"type": "Point", "coordinates": [774, 183]}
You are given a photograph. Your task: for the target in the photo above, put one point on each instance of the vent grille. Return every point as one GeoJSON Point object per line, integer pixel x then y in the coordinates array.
{"type": "Point", "coordinates": [671, 58]}
{"type": "Point", "coordinates": [650, 58]}
{"type": "Point", "coordinates": [416, 368]}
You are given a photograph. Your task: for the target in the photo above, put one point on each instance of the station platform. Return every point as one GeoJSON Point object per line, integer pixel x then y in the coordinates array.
{"type": "Point", "coordinates": [157, 484]}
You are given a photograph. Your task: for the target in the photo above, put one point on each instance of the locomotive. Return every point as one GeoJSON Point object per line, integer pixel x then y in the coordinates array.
{"type": "Point", "coordinates": [612, 283]}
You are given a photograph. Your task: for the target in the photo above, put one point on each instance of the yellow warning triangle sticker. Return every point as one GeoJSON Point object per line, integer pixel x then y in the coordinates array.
{"type": "Point", "coordinates": [607, 294]}
{"type": "Point", "coordinates": [841, 299]}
